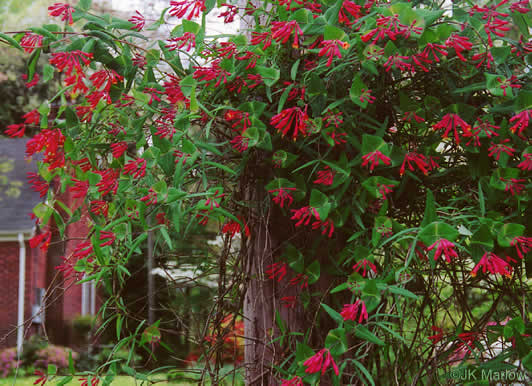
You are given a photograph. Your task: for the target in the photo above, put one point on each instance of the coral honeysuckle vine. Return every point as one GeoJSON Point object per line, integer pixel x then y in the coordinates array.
{"type": "Point", "coordinates": [389, 141]}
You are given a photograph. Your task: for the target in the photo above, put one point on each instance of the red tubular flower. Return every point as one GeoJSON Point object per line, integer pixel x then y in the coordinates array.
{"type": "Point", "coordinates": [105, 78]}
{"type": "Point", "coordinates": [72, 60]}
{"type": "Point", "coordinates": [208, 74]}
{"type": "Point", "coordinates": [154, 94]}
{"type": "Point", "coordinates": [493, 264]}
{"type": "Point", "coordinates": [495, 150]}
{"type": "Point", "coordinates": [212, 202]}
{"type": "Point", "coordinates": [180, 8]}
{"type": "Point", "coordinates": [16, 130]}
{"type": "Point", "coordinates": [485, 57]}
{"type": "Point", "coordinates": [452, 122]}
{"type": "Point", "coordinates": [64, 10]}
{"type": "Point", "coordinates": [230, 13]}
{"type": "Point", "coordinates": [174, 93]}
{"type": "Point", "coordinates": [289, 301]}
{"type": "Point", "coordinates": [276, 270]}
{"type": "Point", "coordinates": [281, 31]}
{"type": "Point", "coordinates": [33, 82]}
{"type": "Point", "coordinates": [522, 120]}
{"type": "Point", "coordinates": [282, 195]}
{"type": "Point", "coordinates": [414, 158]}
{"type": "Point", "coordinates": [118, 149]}
{"type": "Point", "coordinates": [350, 311]}
{"type": "Point", "coordinates": [108, 238]}
{"type": "Point", "coordinates": [521, 6]}
{"type": "Point", "coordinates": [135, 168]}
{"type": "Point", "coordinates": [487, 127]}
{"type": "Point", "coordinates": [374, 158]}
{"type": "Point", "coordinates": [526, 164]}
{"type": "Point", "coordinates": [99, 208]}
{"type": "Point", "coordinates": [327, 227]}
{"type": "Point", "coordinates": [138, 20]}
{"type": "Point", "coordinates": [83, 163]}
{"type": "Point", "coordinates": [325, 176]}
{"type": "Point", "coordinates": [349, 8]}
{"type": "Point", "coordinates": [409, 115]}
{"type": "Point", "coordinates": [37, 184]}
{"type": "Point", "coordinates": [32, 117]}
{"type": "Point", "coordinates": [42, 240]}
{"type": "Point", "coordinates": [330, 48]}
{"type": "Point", "coordinates": [514, 186]}
{"type": "Point", "coordinates": [109, 181]}
{"type": "Point", "coordinates": [384, 190]}
{"type": "Point", "coordinates": [365, 96]}
{"type": "Point", "coordinates": [294, 381]}
{"type": "Point", "coordinates": [317, 362]}
{"type": "Point", "coordinates": [30, 41]}
{"type": "Point", "coordinates": [434, 49]}
{"type": "Point", "coordinates": [399, 62]}
{"type": "Point", "coordinates": [363, 265]}
{"type": "Point", "coordinates": [387, 26]}
{"type": "Point", "coordinates": [188, 39]}
{"type": "Point", "coordinates": [150, 198]}
{"type": "Point", "coordinates": [497, 27]}
{"type": "Point", "coordinates": [240, 143]}
{"type": "Point", "coordinates": [304, 214]}
{"type": "Point", "coordinates": [79, 189]}
{"type": "Point", "coordinates": [437, 337]}
{"type": "Point", "coordinates": [459, 43]}
{"type": "Point", "coordinates": [233, 227]}
{"type": "Point", "coordinates": [292, 117]}
{"type": "Point", "coordinates": [51, 142]}
{"type": "Point", "coordinates": [300, 278]}
{"type": "Point", "coordinates": [259, 37]}
{"type": "Point", "coordinates": [83, 250]}
{"type": "Point", "coordinates": [444, 247]}
{"type": "Point", "coordinates": [43, 378]}
{"type": "Point", "coordinates": [522, 245]}
{"type": "Point", "coordinates": [252, 57]}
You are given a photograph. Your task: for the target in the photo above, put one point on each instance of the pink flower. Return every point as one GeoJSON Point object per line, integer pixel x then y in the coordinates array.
{"type": "Point", "coordinates": [444, 247]}
{"type": "Point", "coordinates": [30, 41]}
{"type": "Point", "coordinates": [291, 118]}
{"type": "Point", "coordinates": [327, 227]}
{"type": "Point", "coordinates": [300, 278]}
{"type": "Point", "coordinates": [330, 48]}
{"type": "Point", "coordinates": [283, 194]}
{"type": "Point", "coordinates": [437, 337]}
{"type": "Point", "coordinates": [522, 120]}
{"type": "Point", "coordinates": [150, 198]}
{"type": "Point", "coordinates": [230, 13]}
{"type": "Point", "coordinates": [319, 363]}
{"type": "Point", "coordinates": [495, 150]}
{"type": "Point", "coordinates": [414, 158]}
{"type": "Point", "coordinates": [304, 215]}
{"type": "Point", "coordinates": [108, 236]}
{"type": "Point", "coordinates": [374, 158]}
{"type": "Point", "coordinates": [325, 176]}
{"type": "Point", "coordinates": [294, 381]}
{"type": "Point", "coordinates": [281, 31]}
{"type": "Point", "coordinates": [42, 239]}
{"type": "Point", "coordinates": [522, 245]}
{"type": "Point", "coordinates": [118, 149]}
{"type": "Point", "coordinates": [452, 122]}
{"type": "Point", "coordinates": [240, 143]}
{"type": "Point", "coordinates": [365, 96]}
{"type": "Point", "coordinates": [514, 186]}
{"type": "Point", "coordinates": [350, 311]}
{"type": "Point", "coordinates": [188, 39]}
{"type": "Point", "coordinates": [385, 189]}
{"type": "Point", "coordinates": [493, 264]}
{"type": "Point", "coordinates": [180, 8]}
{"type": "Point", "coordinates": [276, 270]}
{"type": "Point", "coordinates": [80, 188]}
{"type": "Point", "coordinates": [460, 44]}
{"type": "Point", "coordinates": [364, 264]}
{"type": "Point", "coordinates": [135, 168]}
{"type": "Point", "coordinates": [526, 164]}
{"type": "Point", "coordinates": [64, 10]}
{"type": "Point", "coordinates": [37, 184]}
{"type": "Point", "coordinates": [138, 21]}
{"type": "Point", "coordinates": [16, 130]}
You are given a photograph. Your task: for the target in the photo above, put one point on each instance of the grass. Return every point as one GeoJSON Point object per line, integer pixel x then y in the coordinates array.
{"type": "Point", "coordinates": [118, 381]}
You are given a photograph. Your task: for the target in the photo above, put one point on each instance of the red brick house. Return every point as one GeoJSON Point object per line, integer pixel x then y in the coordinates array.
{"type": "Point", "coordinates": [26, 307]}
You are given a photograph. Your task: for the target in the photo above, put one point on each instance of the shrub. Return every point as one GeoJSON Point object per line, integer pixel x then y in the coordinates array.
{"type": "Point", "coordinates": [54, 355]}
{"type": "Point", "coordinates": [8, 361]}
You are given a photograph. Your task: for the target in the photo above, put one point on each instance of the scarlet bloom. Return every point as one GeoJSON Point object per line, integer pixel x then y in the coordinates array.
{"type": "Point", "coordinates": [32, 82]}
{"type": "Point", "coordinates": [99, 208]}
{"type": "Point", "coordinates": [495, 150]}
{"type": "Point", "coordinates": [259, 37]}
{"type": "Point", "coordinates": [300, 278]}
{"type": "Point", "coordinates": [304, 215]}
{"type": "Point", "coordinates": [351, 311]}
{"type": "Point", "coordinates": [240, 143]}
{"type": "Point", "coordinates": [83, 250]}
{"type": "Point", "coordinates": [325, 176]}
{"type": "Point", "coordinates": [331, 49]}
{"type": "Point", "coordinates": [276, 270]}
{"type": "Point", "coordinates": [294, 381]}
{"type": "Point", "coordinates": [43, 378]}
{"type": "Point", "coordinates": [522, 245]}
{"type": "Point", "coordinates": [374, 158]}
{"type": "Point", "coordinates": [319, 363]}
{"type": "Point", "coordinates": [230, 13]}
{"type": "Point", "coordinates": [385, 189]}
{"type": "Point", "coordinates": [327, 227]}
{"type": "Point", "coordinates": [514, 186]}
{"type": "Point", "coordinates": [109, 181]}
{"type": "Point", "coordinates": [460, 44]}
{"type": "Point", "coordinates": [105, 78]}
{"type": "Point", "coordinates": [180, 8]}
{"type": "Point", "coordinates": [412, 159]}
{"type": "Point", "coordinates": [64, 10]}
{"type": "Point", "coordinates": [42, 239]}
{"type": "Point", "coordinates": [135, 168]}
{"type": "Point", "coordinates": [526, 164]}
{"type": "Point", "coordinates": [363, 265]}
{"type": "Point", "coordinates": [291, 118]}
{"type": "Point", "coordinates": [444, 247]}
{"type": "Point", "coordinates": [493, 264]}
{"type": "Point", "coordinates": [409, 115]}
{"type": "Point", "coordinates": [16, 130]}
{"type": "Point", "coordinates": [138, 20]}
{"type": "Point", "coordinates": [281, 31]}
{"type": "Point", "coordinates": [289, 301]}
{"type": "Point", "coordinates": [438, 336]}
{"type": "Point", "coordinates": [37, 184]}
{"type": "Point", "coordinates": [80, 188]}
{"type": "Point", "coordinates": [452, 122]}
{"type": "Point", "coordinates": [234, 227]}
{"type": "Point", "coordinates": [108, 238]}
{"type": "Point", "coordinates": [150, 198]}
{"type": "Point", "coordinates": [188, 39]}
{"type": "Point", "coordinates": [283, 194]}
{"type": "Point", "coordinates": [365, 96]}
{"type": "Point", "coordinates": [72, 60]}
{"type": "Point", "coordinates": [349, 8]}
{"type": "Point", "coordinates": [30, 41]}
{"type": "Point", "coordinates": [522, 120]}
{"type": "Point", "coordinates": [118, 149]}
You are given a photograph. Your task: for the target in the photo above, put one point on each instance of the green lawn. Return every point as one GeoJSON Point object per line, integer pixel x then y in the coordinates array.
{"type": "Point", "coordinates": [119, 381]}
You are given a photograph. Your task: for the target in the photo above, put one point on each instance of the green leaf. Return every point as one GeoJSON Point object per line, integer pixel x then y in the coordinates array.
{"type": "Point", "coordinates": [363, 333]}
{"type": "Point", "coordinates": [336, 341]}
{"type": "Point", "coordinates": [10, 41]}
{"type": "Point", "coordinates": [436, 231]}
{"type": "Point", "coordinates": [355, 92]}
{"type": "Point", "coordinates": [313, 272]}
{"type": "Point", "coordinates": [481, 242]}
{"type": "Point", "coordinates": [270, 75]}
{"type": "Point", "coordinates": [321, 203]}
{"type": "Point", "coordinates": [507, 232]}
{"type": "Point", "coordinates": [333, 33]}
{"type": "Point", "coordinates": [430, 210]}
{"type": "Point", "coordinates": [364, 371]}
{"type": "Point", "coordinates": [293, 71]}
{"type": "Point", "coordinates": [333, 314]}
{"type": "Point", "coordinates": [52, 369]}
{"type": "Point", "coordinates": [166, 237]}
{"type": "Point", "coordinates": [371, 143]}
{"type": "Point", "coordinates": [190, 26]}
{"type": "Point", "coordinates": [85, 5]}
{"type": "Point", "coordinates": [402, 291]}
